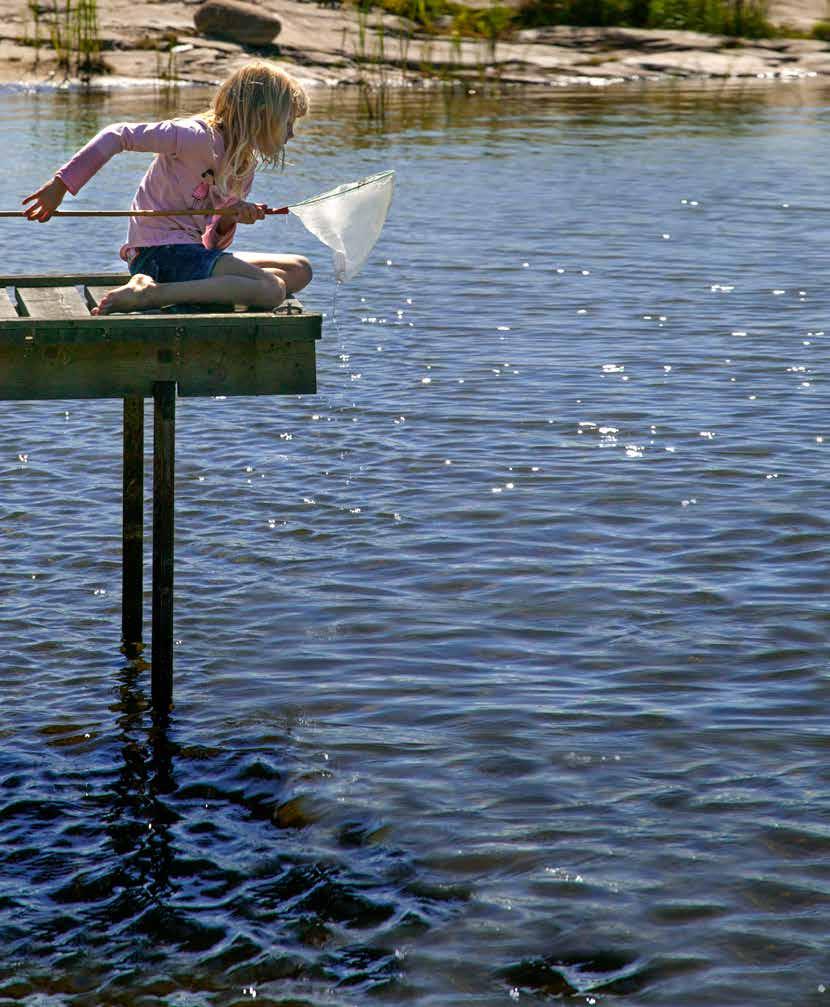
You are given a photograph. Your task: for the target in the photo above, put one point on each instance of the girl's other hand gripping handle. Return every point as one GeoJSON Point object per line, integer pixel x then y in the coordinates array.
{"type": "Point", "coordinates": [241, 213]}
{"type": "Point", "coordinates": [45, 200]}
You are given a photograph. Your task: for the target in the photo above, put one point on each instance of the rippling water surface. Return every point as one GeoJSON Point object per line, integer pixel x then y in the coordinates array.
{"type": "Point", "coordinates": [502, 663]}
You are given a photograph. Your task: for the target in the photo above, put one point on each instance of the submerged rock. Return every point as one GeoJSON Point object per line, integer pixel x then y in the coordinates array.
{"type": "Point", "coordinates": [296, 813]}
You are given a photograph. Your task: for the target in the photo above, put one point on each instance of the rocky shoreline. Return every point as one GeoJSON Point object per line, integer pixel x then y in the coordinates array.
{"type": "Point", "coordinates": [155, 41]}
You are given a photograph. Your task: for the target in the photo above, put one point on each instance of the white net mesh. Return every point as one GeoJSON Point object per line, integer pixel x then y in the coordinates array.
{"type": "Point", "coordinates": [349, 219]}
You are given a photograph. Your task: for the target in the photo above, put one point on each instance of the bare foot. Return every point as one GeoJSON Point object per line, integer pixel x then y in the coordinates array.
{"type": "Point", "coordinates": [133, 296]}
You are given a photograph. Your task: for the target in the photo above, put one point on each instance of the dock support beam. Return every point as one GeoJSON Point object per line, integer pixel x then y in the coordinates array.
{"type": "Point", "coordinates": [164, 441]}
{"type": "Point", "coordinates": [132, 574]}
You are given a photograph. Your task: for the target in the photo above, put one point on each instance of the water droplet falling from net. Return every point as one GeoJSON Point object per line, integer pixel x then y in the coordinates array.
{"type": "Point", "coordinates": [349, 219]}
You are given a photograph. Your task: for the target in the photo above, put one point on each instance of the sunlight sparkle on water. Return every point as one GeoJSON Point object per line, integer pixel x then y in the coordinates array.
{"type": "Point", "coordinates": [457, 600]}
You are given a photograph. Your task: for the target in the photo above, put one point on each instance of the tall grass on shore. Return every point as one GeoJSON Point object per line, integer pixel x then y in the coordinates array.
{"type": "Point", "coordinates": [370, 52]}
{"type": "Point", "coordinates": [73, 35]}
{"type": "Point", "coordinates": [378, 45]}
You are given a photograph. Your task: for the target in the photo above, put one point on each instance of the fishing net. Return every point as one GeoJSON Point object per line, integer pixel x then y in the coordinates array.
{"type": "Point", "coordinates": [349, 219]}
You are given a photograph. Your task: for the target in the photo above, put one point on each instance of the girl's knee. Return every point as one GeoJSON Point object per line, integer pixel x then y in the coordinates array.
{"type": "Point", "coordinates": [301, 273]}
{"type": "Point", "coordinates": [273, 290]}
{"type": "Point", "coordinates": [304, 267]}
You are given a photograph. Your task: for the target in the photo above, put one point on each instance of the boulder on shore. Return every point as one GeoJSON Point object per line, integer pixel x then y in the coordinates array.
{"type": "Point", "coordinates": [237, 21]}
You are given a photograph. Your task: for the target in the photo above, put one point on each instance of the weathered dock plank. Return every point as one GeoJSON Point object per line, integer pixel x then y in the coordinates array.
{"type": "Point", "coordinates": [50, 302]}
{"type": "Point", "coordinates": [219, 354]}
{"type": "Point", "coordinates": [7, 309]}
{"type": "Point", "coordinates": [62, 279]}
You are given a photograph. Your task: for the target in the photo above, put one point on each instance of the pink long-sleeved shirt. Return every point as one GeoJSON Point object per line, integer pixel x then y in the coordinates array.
{"type": "Point", "coordinates": [187, 151]}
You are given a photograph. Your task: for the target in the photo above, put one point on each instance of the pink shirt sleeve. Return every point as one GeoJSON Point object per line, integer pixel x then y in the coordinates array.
{"type": "Point", "coordinates": [154, 137]}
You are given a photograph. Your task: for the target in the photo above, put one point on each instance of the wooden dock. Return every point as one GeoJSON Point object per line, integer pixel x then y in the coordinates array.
{"type": "Point", "coordinates": [51, 347]}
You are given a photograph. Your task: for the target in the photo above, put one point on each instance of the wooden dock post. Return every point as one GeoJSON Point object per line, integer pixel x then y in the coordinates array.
{"type": "Point", "coordinates": [164, 465]}
{"type": "Point", "coordinates": [51, 347]}
{"type": "Point", "coordinates": [132, 531]}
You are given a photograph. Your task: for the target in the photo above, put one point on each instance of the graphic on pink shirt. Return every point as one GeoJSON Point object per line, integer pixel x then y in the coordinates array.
{"type": "Point", "coordinates": [202, 191]}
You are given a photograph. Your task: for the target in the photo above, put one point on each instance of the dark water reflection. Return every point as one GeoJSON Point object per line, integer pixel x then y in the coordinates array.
{"type": "Point", "coordinates": [502, 662]}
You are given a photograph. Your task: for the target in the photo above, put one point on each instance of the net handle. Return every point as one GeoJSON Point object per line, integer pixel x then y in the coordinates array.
{"type": "Point", "coordinates": [138, 213]}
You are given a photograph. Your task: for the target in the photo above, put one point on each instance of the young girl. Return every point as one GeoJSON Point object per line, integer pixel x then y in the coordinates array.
{"type": "Point", "coordinates": [207, 161]}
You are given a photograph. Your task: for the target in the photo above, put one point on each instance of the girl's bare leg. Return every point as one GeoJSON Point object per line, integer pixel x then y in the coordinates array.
{"type": "Point", "coordinates": [293, 270]}
{"type": "Point", "coordinates": [234, 281]}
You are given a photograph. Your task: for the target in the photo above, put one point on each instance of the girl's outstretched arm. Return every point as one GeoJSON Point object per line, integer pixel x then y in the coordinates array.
{"type": "Point", "coordinates": [168, 137]}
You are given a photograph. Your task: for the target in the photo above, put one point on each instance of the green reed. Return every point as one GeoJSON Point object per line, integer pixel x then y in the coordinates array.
{"type": "Point", "coordinates": [167, 69]}
{"type": "Point", "coordinates": [370, 52]}
{"type": "Point", "coordinates": [75, 37]}
{"type": "Point", "coordinates": [72, 33]}
{"type": "Point", "coordinates": [380, 46]}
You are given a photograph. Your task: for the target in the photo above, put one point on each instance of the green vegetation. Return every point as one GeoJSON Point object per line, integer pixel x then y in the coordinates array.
{"type": "Point", "coordinates": [75, 37]}
{"type": "Point", "coordinates": [821, 31]}
{"type": "Point", "coordinates": [71, 30]}
{"type": "Point", "coordinates": [162, 42]}
{"type": "Point", "coordinates": [447, 16]}
{"type": "Point", "coordinates": [372, 92]}
{"type": "Point", "coordinates": [747, 18]}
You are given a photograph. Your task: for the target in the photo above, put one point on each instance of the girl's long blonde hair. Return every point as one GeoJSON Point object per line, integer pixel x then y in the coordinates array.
{"type": "Point", "coordinates": [254, 109]}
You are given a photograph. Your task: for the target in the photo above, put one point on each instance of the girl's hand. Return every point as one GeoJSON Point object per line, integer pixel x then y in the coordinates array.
{"type": "Point", "coordinates": [45, 200]}
{"type": "Point", "coordinates": [240, 213]}
{"type": "Point", "coordinates": [246, 213]}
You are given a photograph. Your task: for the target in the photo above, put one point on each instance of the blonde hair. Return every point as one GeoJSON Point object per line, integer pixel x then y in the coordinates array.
{"type": "Point", "coordinates": [253, 109]}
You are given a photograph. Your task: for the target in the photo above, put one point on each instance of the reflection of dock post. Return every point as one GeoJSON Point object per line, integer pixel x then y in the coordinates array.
{"type": "Point", "coordinates": [132, 574]}
{"type": "Point", "coordinates": [164, 440]}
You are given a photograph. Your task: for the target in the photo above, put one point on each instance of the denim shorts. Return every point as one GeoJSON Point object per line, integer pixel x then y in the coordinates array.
{"type": "Point", "coordinates": [175, 263]}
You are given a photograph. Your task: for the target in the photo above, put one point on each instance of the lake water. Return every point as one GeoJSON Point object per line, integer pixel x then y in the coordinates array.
{"type": "Point", "coordinates": [502, 663]}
